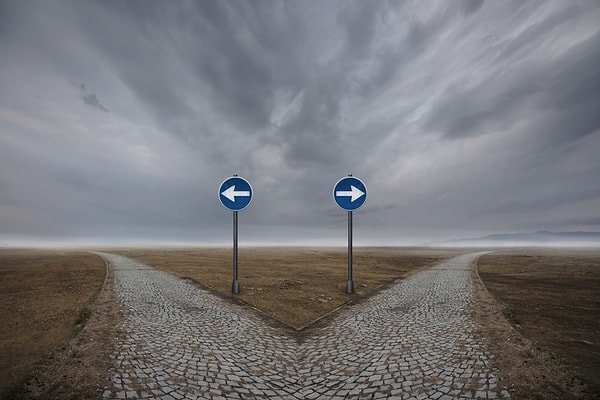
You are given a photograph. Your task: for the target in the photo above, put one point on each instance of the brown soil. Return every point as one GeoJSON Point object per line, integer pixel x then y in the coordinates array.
{"type": "Point", "coordinates": [551, 299]}
{"type": "Point", "coordinates": [297, 286]}
{"type": "Point", "coordinates": [44, 301]}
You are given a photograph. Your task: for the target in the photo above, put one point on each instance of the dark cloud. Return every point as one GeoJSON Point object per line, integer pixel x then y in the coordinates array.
{"type": "Point", "coordinates": [5, 18]}
{"type": "Point", "coordinates": [571, 92]}
{"type": "Point", "coordinates": [359, 21]}
{"type": "Point", "coordinates": [565, 87]}
{"type": "Point", "coordinates": [528, 205]}
{"type": "Point", "coordinates": [483, 109]}
{"type": "Point", "coordinates": [471, 6]}
{"type": "Point", "coordinates": [313, 135]}
{"type": "Point", "coordinates": [91, 99]}
{"type": "Point", "coordinates": [515, 48]}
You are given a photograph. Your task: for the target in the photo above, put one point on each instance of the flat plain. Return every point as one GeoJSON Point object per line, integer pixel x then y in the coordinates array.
{"type": "Point", "coordinates": [45, 297]}
{"type": "Point", "coordinates": [552, 296]}
{"type": "Point", "coordinates": [549, 295]}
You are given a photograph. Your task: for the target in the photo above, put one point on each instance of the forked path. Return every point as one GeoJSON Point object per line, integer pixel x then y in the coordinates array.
{"type": "Point", "coordinates": [414, 340]}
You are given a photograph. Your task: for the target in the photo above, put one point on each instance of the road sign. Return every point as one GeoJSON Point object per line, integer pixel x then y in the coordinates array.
{"type": "Point", "coordinates": [235, 193]}
{"type": "Point", "coordinates": [350, 193]}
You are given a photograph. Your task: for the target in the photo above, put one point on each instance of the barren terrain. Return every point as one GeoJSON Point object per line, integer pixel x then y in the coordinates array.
{"type": "Point", "coordinates": [551, 296]}
{"type": "Point", "coordinates": [45, 299]}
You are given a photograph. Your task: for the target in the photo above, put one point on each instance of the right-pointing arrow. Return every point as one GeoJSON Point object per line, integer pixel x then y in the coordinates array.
{"type": "Point", "coordinates": [354, 193]}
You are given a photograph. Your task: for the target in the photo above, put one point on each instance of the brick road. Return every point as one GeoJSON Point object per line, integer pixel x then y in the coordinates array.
{"type": "Point", "coordinates": [414, 340]}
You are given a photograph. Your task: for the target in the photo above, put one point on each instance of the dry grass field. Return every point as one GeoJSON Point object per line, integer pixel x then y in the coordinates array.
{"type": "Point", "coordinates": [552, 296]}
{"type": "Point", "coordinates": [44, 299]}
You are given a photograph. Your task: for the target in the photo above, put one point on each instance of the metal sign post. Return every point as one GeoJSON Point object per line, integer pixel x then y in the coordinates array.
{"type": "Point", "coordinates": [235, 285]}
{"type": "Point", "coordinates": [350, 283]}
{"type": "Point", "coordinates": [350, 194]}
{"type": "Point", "coordinates": [235, 194]}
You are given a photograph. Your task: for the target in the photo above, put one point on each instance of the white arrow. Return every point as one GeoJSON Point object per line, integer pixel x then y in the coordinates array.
{"type": "Point", "coordinates": [230, 193]}
{"type": "Point", "coordinates": [354, 193]}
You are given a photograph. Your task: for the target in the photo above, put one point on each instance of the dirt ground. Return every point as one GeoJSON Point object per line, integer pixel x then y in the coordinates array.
{"type": "Point", "coordinates": [45, 298]}
{"type": "Point", "coordinates": [552, 298]}
{"type": "Point", "coordinates": [297, 286]}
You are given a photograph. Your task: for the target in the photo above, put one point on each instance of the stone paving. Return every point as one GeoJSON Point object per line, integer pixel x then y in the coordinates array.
{"type": "Point", "coordinates": [414, 340]}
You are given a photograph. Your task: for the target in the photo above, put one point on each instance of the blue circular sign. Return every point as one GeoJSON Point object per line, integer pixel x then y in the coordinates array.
{"type": "Point", "coordinates": [350, 193]}
{"type": "Point", "coordinates": [235, 193]}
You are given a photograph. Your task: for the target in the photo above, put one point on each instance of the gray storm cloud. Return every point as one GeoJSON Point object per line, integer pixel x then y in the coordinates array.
{"type": "Point", "coordinates": [462, 118]}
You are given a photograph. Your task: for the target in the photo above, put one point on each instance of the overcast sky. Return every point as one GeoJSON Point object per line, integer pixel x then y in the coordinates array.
{"type": "Point", "coordinates": [120, 119]}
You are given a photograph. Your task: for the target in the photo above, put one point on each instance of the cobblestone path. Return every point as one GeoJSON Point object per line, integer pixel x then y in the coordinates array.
{"type": "Point", "coordinates": [414, 340]}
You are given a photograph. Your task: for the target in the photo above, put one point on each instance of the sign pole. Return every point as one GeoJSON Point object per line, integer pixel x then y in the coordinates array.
{"type": "Point", "coordinates": [350, 283]}
{"type": "Point", "coordinates": [349, 194]}
{"type": "Point", "coordinates": [235, 285]}
{"type": "Point", "coordinates": [235, 194]}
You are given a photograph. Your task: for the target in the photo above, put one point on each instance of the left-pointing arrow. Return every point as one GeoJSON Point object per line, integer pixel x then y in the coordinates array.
{"type": "Point", "coordinates": [231, 194]}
